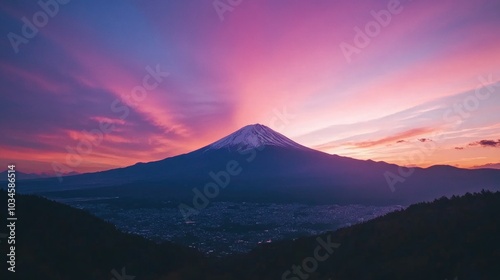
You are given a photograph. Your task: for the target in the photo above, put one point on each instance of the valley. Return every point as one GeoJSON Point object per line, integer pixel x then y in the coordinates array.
{"type": "Point", "coordinates": [226, 228]}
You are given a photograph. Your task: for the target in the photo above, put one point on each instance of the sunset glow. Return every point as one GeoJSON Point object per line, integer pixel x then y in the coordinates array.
{"type": "Point", "coordinates": [108, 85]}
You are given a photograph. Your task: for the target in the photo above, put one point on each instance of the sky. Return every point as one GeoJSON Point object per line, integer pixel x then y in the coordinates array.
{"type": "Point", "coordinates": [94, 85]}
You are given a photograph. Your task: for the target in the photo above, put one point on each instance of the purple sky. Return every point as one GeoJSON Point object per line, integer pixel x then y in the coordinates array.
{"type": "Point", "coordinates": [413, 83]}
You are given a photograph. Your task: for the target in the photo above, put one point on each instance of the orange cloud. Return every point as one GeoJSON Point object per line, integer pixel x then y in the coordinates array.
{"type": "Point", "coordinates": [386, 140]}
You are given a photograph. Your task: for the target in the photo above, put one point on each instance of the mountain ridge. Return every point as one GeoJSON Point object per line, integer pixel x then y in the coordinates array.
{"type": "Point", "coordinates": [275, 168]}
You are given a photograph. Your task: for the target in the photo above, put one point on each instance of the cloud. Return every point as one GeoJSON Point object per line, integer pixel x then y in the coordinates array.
{"type": "Point", "coordinates": [486, 143]}
{"type": "Point", "coordinates": [392, 138]}
{"type": "Point", "coordinates": [424, 140]}
{"type": "Point", "coordinates": [398, 138]}
{"type": "Point", "coordinates": [459, 148]}
{"type": "Point", "coordinates": [488, 165]}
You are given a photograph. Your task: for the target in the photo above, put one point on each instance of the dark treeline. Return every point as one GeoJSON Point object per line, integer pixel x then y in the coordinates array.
{"type": "Point", "coordinates": [446, 239]}
{"type": "Point", "coordinates": [55, 241]}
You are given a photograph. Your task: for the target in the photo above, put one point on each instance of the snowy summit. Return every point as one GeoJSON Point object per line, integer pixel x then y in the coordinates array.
{"type": "Point", "coordinates": [254, 136]}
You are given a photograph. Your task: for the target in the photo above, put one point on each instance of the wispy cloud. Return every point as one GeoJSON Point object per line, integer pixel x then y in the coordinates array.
{"type": "Point", "coordinates": [396, 137]}
{"type": "Point", "coordinates": [488, 165]}
{"type": "Point", "coordinates": [399, 137]}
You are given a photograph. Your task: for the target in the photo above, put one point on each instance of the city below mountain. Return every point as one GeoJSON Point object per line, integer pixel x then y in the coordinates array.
{"type": "Point", "coordinates": [447, 239]}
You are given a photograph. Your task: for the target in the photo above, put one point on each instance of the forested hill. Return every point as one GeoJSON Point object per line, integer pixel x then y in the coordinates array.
{"type": "Point", "coordinates": [456, 238]}
{"type": "Point", "coordinates": [57, 242]}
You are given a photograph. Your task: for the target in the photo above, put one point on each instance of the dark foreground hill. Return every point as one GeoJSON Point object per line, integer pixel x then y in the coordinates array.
{"type": "Point", "coordinates": [447, 238]}
{"type": "Point", "coordinates": [456, 238]}
{"type": "Point", "coordinates": [57, 242]}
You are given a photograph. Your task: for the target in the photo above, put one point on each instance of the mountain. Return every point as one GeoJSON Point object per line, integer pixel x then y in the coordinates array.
{"type": "Point", "coordinates": [256, 163]}
{"type": "Point", "coordinates": [253, 137]}
{"type": "Point", "coordinates": [30, 176]}
{"type": "Point", "coordinates": [23, 176]}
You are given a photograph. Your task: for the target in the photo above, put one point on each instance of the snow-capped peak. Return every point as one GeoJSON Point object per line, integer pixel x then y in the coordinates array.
{"type": "Point", "coordinates": [254, 136]}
